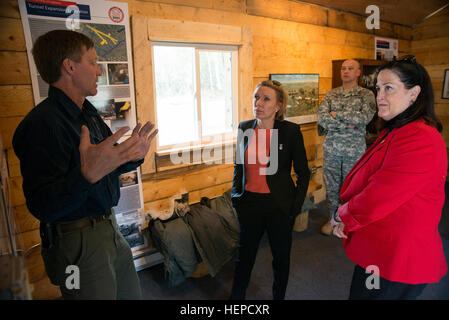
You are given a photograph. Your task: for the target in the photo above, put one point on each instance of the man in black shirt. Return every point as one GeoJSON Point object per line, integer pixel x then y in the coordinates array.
{"type": "Point", "coordinates": [70, 163]}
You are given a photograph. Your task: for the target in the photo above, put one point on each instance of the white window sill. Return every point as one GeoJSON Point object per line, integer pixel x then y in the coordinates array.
{"type": "Point", "coordinates": [193, 148]}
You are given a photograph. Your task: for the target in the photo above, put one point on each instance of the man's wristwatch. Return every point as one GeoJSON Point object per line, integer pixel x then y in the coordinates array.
{"type": "Point", "coordinates": [336, 218]}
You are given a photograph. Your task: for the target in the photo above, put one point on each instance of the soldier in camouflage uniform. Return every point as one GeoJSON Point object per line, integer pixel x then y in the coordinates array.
{"type": "Point", "coordinates": [344, 114]}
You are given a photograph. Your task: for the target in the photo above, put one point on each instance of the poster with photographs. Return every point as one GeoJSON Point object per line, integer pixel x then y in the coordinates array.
{"type": "Point", "coordinates": [107, 25]}
{"type": "Point", "coordinates": [385, 49]}
{"type": "Point", "coordinates": [127, 210]}
{"type": "Point", "coordinates": [130, 225]}
{"type": "Point", "coordinates": [130, 195]}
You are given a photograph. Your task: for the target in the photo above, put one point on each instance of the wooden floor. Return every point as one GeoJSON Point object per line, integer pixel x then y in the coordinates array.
{"type": "Point", "coordinates": [320, 270]}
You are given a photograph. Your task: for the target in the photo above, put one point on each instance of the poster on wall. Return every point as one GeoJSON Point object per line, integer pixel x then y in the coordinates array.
{"type": "Point", "coordinates": [107, 25]}
{"type": "Point", "coordinates": [129, 220]}
{"type": "Point", "coordinates": [385, 49]}
{"type": "Point", "coordinates": [302, 89]}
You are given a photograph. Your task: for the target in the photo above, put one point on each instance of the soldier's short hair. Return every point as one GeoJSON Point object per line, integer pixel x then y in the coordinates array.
{"type": "Point", "coordinates": [355, 60]}
{"type": "Point", "coordinates": [51, 48]}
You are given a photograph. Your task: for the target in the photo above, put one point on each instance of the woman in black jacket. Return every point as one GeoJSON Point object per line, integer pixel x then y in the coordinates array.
{"type": "Point", "coordinates": [263, 192]}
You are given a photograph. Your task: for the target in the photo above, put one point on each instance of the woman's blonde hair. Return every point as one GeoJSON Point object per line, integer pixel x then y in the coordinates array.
{"type": "Point", "coordinates": [281, 96]}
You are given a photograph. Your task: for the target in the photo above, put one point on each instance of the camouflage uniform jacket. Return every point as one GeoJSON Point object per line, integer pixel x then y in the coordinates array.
{"type": "Point", "coordinates": [346, 132]}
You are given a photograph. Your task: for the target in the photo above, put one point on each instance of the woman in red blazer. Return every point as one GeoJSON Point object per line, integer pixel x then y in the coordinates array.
{"type": "Point", "coordinates": [393, 197]}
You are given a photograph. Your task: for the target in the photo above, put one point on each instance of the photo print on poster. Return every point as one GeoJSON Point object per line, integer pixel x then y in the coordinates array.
{"type": "Point", "coordinates": [116, 114]}
{"type": "Point", "coordinates": [118, 73]}
{"type": "Point", "coordinates": [109, 40]}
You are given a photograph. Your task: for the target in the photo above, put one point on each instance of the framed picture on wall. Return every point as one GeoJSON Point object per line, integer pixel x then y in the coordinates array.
{"type": "Point", "coordinates": [302, 89]}
{"type": "Point", "coordinates": [445, 94]}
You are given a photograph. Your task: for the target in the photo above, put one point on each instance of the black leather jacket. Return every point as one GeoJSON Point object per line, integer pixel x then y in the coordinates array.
{"type": "Point", "coordinates": [290, 148]}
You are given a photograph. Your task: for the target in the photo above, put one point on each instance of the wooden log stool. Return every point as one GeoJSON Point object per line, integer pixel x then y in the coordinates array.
{"type": "Point", "coordinates": [301, 222]}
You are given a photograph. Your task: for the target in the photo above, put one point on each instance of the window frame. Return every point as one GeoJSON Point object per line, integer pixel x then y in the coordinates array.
{"type": "Point", "coordinates": [203, 140]}
{"type": "Point", "coordinates": [146, 29]}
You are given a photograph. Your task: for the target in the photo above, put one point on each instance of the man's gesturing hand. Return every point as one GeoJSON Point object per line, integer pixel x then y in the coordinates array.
{"type": "Point", "coordinates": [98, 160]}
{"type": "Point", "coordinates": [142, 145]}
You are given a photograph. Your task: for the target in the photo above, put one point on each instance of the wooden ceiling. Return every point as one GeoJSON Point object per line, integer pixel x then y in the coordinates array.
{"type": "Point", "coordinates": [404, 12]}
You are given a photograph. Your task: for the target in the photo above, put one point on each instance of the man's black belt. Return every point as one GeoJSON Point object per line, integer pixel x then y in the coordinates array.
{"type": "Point", "coordinates": [81, 223]}
{"type": "Point", "coordinates": [78, 224]}
{"type": "Point", "coordinates": [48, 231]}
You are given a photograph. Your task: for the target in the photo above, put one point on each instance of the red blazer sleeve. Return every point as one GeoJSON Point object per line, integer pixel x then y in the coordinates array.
{"type": "Point", "coordinates": [408, 166]}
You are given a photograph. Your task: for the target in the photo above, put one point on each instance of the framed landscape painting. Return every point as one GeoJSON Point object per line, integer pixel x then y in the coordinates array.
{"type": "Point", "coordinates": [302, 89]}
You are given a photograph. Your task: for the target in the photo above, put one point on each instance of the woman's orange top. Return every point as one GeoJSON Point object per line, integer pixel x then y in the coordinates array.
{"type": "Point", "coordinates": [256, 160]}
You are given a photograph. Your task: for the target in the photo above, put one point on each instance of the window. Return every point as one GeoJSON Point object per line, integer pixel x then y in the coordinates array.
{"type": "Point", "coordinates": [196, 94]}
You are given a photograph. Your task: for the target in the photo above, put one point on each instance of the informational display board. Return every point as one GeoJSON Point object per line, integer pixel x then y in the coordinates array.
{"type": "Point", "coordinates": [385, 49]}
{"type": "Point", "coordinates": [107, 24]}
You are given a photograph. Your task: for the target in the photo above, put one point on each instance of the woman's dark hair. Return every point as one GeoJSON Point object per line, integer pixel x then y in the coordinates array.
{"type": "Point", "coordinates": [411, 73]}
{"type": "Point", "coordinates": [50, 50]}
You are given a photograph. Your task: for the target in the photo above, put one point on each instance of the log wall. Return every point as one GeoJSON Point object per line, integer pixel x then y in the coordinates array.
{"type": "Point", "coordinates": [430, 45]}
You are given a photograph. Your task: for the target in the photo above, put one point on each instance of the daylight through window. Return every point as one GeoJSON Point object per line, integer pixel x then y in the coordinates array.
{"type": "Point", "coordinates": [196, 93]}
